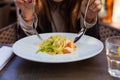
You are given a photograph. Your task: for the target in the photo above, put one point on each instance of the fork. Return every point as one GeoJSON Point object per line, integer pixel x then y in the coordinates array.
{"type": "Point", "coordinates": [80, 34]}
{"type": "Point", "coordinates": [84, 28]}
{"type": "Point", "coordinates": [33, 24]}
{"type": "Point", "coordinates": [37, 34]}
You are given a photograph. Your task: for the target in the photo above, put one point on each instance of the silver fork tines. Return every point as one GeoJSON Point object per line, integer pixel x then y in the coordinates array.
{"type": "Point", "coordinates": [81, 33]}
{"type": "Point", "coordinates": [36, 32]}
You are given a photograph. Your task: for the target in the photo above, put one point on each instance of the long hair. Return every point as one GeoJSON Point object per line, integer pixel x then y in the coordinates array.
{"type": "Point", "coordinates": [70, 12]}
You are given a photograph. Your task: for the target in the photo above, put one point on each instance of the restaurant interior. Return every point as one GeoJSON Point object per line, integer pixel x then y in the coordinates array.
{"type": "Point", "coordinates": [108, 24]}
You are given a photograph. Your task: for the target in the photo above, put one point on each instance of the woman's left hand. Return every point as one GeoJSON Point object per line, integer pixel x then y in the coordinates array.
{"type": "Point", "coordinates": [94, 8]}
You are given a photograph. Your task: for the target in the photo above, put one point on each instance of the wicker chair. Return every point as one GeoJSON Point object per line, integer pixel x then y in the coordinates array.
{"type": "Point", "coordinates": [8, 34]}
{"type": "Point", "coordinates": [106, 31]}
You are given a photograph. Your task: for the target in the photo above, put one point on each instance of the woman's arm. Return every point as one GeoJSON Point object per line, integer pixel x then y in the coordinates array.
{"type": "Point", "coordinates": [27, 28]}
{"type": "Point", "coordinates": [93, 9]}
{"type": "Point", "coordinates": [91, 17]}
{"type": "Point", "coordinates": [26, 16]}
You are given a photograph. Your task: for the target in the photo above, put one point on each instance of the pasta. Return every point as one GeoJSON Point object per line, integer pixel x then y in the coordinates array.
{"type": "Point", "coordinates": [57, 45]}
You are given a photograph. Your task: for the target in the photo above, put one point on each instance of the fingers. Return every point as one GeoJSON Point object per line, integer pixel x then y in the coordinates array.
{"type": "Point", "coordinates": [19, 1]}
{"type": "Point", "coordinates": [24, 5]}
{"type": "Point", "coordinates": [95, 5]}
{"type": "Point", "coordinates": [93, 9]}
{"type": "Point", "coordinates": [23, 1]}
{"type": "Point", "coordinates": [29, 1]}
{"type": "Point", "coordinates": [84, 2]}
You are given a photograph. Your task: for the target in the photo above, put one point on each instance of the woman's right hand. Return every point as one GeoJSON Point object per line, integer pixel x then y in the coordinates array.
{"type": "Point", "coordinates": [26, 7]}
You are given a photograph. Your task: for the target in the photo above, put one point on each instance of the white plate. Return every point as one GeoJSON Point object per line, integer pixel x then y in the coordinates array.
{"type": "Point", "coordinates": [87, 47]}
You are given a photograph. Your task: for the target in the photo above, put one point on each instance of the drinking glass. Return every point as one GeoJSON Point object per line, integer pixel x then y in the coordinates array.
{"type": "Point", "coordinates": [113, 55]}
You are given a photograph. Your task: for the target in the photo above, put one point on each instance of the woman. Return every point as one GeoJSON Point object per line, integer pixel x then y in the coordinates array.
{"type": "Point", "coordinates": [57, 15]}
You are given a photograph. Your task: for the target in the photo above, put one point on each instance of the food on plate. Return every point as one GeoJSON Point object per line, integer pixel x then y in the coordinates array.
{"type": "Point", "coordinates": [57, 44]}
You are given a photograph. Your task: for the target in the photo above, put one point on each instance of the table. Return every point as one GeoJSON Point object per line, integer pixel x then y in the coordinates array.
{"type": "Point", "coordinates": [94, 68]}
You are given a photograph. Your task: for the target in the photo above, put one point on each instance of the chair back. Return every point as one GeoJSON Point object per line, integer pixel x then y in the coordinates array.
{"type": "Point", "coordinates": [106, 31]}
{"type": "Point", "coordinates": [8, 34]}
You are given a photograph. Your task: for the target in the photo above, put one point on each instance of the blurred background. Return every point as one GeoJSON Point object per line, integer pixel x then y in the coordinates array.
{"type": "Point", "coordinates": [7, 12]}
{"type": "Point", "coordinates": [109, 14]}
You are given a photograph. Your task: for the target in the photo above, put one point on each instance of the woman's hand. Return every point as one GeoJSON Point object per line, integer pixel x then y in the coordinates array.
{"type": "Point", "coordinates": [93, 9]}
{"type": "Point", "coordinates": [26, 7]}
